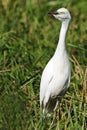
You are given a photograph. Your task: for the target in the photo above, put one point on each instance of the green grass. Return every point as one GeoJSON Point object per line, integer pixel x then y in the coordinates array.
{"type": "Point", "coordinates": [28, 38]}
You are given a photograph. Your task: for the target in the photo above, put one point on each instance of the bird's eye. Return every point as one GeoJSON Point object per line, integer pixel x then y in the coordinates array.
{"type": "Point", "coordinates": [61, 12]}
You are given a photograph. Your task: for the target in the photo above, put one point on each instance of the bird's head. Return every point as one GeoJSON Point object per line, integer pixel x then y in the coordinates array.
{"type": "Point", "coordinates": [61, 14]}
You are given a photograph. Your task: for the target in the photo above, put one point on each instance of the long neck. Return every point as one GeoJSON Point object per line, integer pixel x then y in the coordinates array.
{"type": "Point", "coordinates": [62, 37]}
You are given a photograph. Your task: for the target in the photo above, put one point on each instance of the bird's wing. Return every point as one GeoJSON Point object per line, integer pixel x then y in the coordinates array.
{"type": "Point", "coordinates": [64, 89]}
{"type": "Point", "coordinates": [60, 82]}
{"type": "Point", "coordinates": [46, 78]}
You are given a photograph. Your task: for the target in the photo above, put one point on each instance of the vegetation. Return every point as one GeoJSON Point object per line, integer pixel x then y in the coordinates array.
{"type": "Point", "coordinates": [28, 38]}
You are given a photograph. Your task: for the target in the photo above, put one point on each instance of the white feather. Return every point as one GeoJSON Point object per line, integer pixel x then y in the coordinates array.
{"type": "Point", "coordinates": [56, 75]}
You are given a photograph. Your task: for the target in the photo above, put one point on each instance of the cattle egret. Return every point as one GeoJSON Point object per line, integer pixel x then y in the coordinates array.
{"type": "Point", "coordinates": [56, 75]}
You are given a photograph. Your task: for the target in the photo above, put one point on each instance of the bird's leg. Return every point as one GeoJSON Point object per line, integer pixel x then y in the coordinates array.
{"type": "Point", "coordinates": [56, 110]}
{"type": "Point", "coordinates": [57, 116]}
{"type": "Point", "coordinates": [52, 122]}
{"type": "Point", "coordinates": [54, 116]}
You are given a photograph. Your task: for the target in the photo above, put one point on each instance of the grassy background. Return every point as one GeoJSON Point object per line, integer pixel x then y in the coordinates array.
{"type": "Point", "coordinates": [28, 38]}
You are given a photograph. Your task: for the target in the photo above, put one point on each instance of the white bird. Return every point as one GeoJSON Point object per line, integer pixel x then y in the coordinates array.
{"type": "Point", "coordinates": [56, 75]}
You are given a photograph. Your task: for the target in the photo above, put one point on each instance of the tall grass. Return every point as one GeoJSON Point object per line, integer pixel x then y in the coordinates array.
{"type": "Point", "coordinates": [28, 38]}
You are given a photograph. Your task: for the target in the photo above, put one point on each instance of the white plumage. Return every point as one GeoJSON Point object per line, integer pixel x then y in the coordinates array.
{"type": "Point", "coordinates": [56, 75]}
